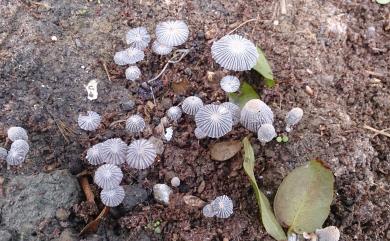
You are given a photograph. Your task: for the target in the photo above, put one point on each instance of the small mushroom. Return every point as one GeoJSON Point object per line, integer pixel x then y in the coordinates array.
{"type": "Point", "coordinates": [230, 84]}
{"type": "Point", "coordinates": [266, 133]}
{"type": "Point", "coordinates": [161, 49]}
{"type": "Point", "coordinates": [21, 146]}
{"type": "Point", "coordinates": [17, 133]}
{"type": "Point", "coordinates": [172, 33]}
{"type": "Point", "coordinates": [199, 134]}
{"type": "Point", "coordinates": [208, 211]}
{"type": "Point", "coordinates": [94, 154]}
{"type": "Point", "coordinates": [175, 182]}
{"type": "Point", "coordinates": [108, 176]}
{"type": "Point", "coordinates": [174, 113]}
{"type": "Point", "coordinates": [256, 113]}
{"type": "Point", "coordinates": [293, 117]}
{"type": "Point", "coordinates": [138, 38]}
{"type": "Point", "coordinates": [135, 124]}
{"type": "Point", "coordinates": [222, 206]}
{"type": "Point", "coordinates": [191, 105]}
{"type": "Point", "coordinates": [89, 122]}
{"type": "Point", "coordinates": [214, 120]}
{"type": "Point", "coordinates": [234, 52]}
{"type": "Point", "coordinates": [128, 56]}
{"type": "Point", "coordinates": [15, 157]}
{"type": "Point", "coordinates": [141, 154]}
{"type": "Point", "coordinates": [112, 197]}
{"type": "Point", "coordinates": [132, 73]}
{"type": "Point", "coordinates": [234, 110]}
{"type": "Point", "coordinates": [114, 151]}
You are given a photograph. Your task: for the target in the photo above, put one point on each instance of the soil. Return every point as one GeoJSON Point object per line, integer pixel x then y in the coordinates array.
{"type": "Point", "coordinates": [331, 58]}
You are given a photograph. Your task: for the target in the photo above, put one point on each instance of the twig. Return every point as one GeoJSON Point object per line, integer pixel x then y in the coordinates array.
{"type": "Point", "coordinates": [117, 122]}
{"type": "Point", "coordinates": [283, 8]}
{"type": "Point", "coordinates": [93, 226]}
{"type": "Point", "coordinates": [242, 24]}
{"type": "Point", "coordinates": [151, 91]}
{"type": "Point", "coordinates": [378, 132]}
{"type": "Point", "coordinates": [106, 70]}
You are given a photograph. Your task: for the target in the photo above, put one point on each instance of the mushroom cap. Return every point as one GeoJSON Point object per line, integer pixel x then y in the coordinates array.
{"type": "Point", "coordinates": [161, 49]}
{"type": "Point", "coordinates": [174, 113]}
{"type": "Point", "coordinates": [234, 110]}
{"type": "Point", "coordinates": [17, 133]}
{"type": "Point", "coordinates": [89, 122]}
{"type": "Point", "coordinates": [199, 134]}
{"type": "Point", "coordinates": [191, 105]}
{"type": "Point", "coordinates": [214, 120]}
{"type": "Point", "coordinates": [114, 151]}
{"type": "Point", "coordinates": [172, 33]}
{"type": "Point", "coordinates": [3, 153]}
{"type": "Point", "coordinates": [141, 154]}
{"type": "Point", "coordinates": [293, 117]}
{"type": "Point", "coordinates": [138, 38]}
{"type": "Point", "coordinates": [135, 123]}
{"type": "Point", "coordinates": [128, 56]}
{"type": "Point", "coordinates": [234, 52]}
{"type": "Point", "coordinates": [132, 73]}
{"type": "Point", "coordinates": [15, 157]}
{"type": "Point", "coordinates": [256, 113]}
{"type": "Point", "coordinates": [112, 197]}
{"type": "Point", "coordinates": [266, 133]}
{"type": "Point", "coordinates": [208, 211]}
{"type": "Point", "coordinates": [230, 84]}
{"type": "Point", "coordinates": [94, 154]}
{"type": "Point", "coordinates": [222, 206]}
{"type": "Point", "coordinates": [175, 182]}
{"type": "Point", "coordinates": [21, 146]}
{"type": "Point", "coordinates": [108, 176]}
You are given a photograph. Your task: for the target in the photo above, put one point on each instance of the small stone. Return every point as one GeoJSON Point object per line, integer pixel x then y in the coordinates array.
{"type": "Point", "coordinates": [161, 193]}
{"type": "Point", "coordinates": [54, 38]}
{"type": "Point", "coordinates": [62, 214]}
{"type": "Point", "coordinates": [188, 71]}
{"type": "Point", "coordinates": [134, 196]}
{"type": "Point", "coordinates": [193, 201]}
{"type": "Point", "coordinates": [175, 182]}
{"type": "Point", "coordinates": [78, 43]}
{"type": "Point", "coordinates": [309, 90]}
{"type": "Point", "coordinates": [201, 187]}
{"type": "Point", "coordinates": [166, 103]}
{"type": "Point", "coordinates": [128, 105]}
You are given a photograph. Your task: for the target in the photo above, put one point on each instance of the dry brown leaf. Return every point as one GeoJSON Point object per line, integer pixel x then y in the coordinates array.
{"type": "Point", "coordinates": [224, 150]}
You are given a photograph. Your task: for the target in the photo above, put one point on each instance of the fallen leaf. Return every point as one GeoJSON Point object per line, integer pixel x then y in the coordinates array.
{"type": "Point", "coordinates": [193, 201]}
{"type": "Point", "coordinates": [93, 226]}
{"type": "Point", "coordinates": [303, 200]}
{"type": "Point", "coordinates": [224, 150]}
{"type": "Point", "coordinates": [262, 67]}
{"type": "Point", "coordinates": [267, 217]}
{"type": "Point", "coordinates": [181, 87]}
{"type": "Point", "coordinates": [246, 93]}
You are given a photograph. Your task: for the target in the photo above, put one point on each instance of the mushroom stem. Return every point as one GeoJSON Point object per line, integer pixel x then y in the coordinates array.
{"type": "Point", "coordinates": [87, 189]}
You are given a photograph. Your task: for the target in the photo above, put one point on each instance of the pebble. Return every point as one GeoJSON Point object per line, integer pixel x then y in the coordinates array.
{"type": "Point", "coordinates": [161, 193]}
{"type": "Point", "coordinates": [175, 182]}
{"type": "Point", "coordinates": [62, 214]}
{"type": "Point", "coordinates": [309, 90]}
{"type": "Point", "coordinates": [166, 103]}
{"type": "Point", "coordinates": [201, 187]}
{"type": "Point", "coordinates": [127, 105]}
{"type": "Point", "coordinates": [134, 196]}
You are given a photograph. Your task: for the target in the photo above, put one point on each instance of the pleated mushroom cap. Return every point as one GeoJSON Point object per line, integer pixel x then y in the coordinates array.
{"type": "Point", "coordinates": [256, 113]}
{"type": "Point", "coordinates": [141, 154]}
{"type": "Point", "coordinates": [161, 49]}
{"type": "Point", "coordinates": [15, 157]}
{"type": "Point", "coordinates": [293, 117]}
{"type": "Point", "coordinates": [266, 133]}
{"type": "Point", "coordinates": [114, 151]}
{"type": "Point", "coordinates": [174, 113]}
{"type": "Point", "coordinates": [172, 33]}
{"type": "Point", "coordinates": [21, 146]}
{"type": "Point", "coordinates": [128, 56]}
{"type": "Point", "coordinates": [108, 176]}
{"type": "Point", "coordinates": [135, 124]}
{"type": "Point", "coordinates": [199, 134]}
{"type": "Point", "coordinates": [132, 73]}
{"type": "Point", "coordinates": [191, 105]}
{"type": "Point", "coordinates": [94, 154]}
{"type": "Point", "coordinates": [230, 84]}
{"type": "Point", "coordinates": [17, 133]}
{"type": "Point", "coordinates": [208, 211]}
{"type": "Point", "coordinates": [222, 207]}
{"type": "Point", "coordinates": [234, 110]}
{"type": "Point", "coordinates": [214, 120]}
{"type": "Point", "coordinates": [89, 122]}
{"type": "Point", "coordinates": [138, 38]}
{"type": "Point", "coordinates": [234, 52]}
{"type": "Point", "coordinates": [112, 197]}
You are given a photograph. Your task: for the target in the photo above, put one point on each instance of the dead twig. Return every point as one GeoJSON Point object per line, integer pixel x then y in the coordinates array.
{"type": "Point", "coordinates": [93, 226]}
{"type": "Point", "coordinates": [283, 7]}
{"type": "Point", "coordinates": [116, 122]}
{"type": "Point", "coordinates": [242, 24]}
{"type": "Point", "coordinates": [87, 189]}
{"type": "Point", "coordinates": [106, 70]}
{"type": "Point", "coordinates": [377, 132]}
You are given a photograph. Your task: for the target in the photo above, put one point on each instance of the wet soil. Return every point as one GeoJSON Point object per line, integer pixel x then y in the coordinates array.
{"type": "Point", "coordinates": [331, 58]}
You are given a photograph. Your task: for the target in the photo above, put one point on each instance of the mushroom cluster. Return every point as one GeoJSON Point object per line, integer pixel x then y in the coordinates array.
{"type": "Point", "coordinates": [220, 207]}
{"type": "Point", "coordinates": [19, 147]}
{"type": "Point", "coordinates": [169, 34]}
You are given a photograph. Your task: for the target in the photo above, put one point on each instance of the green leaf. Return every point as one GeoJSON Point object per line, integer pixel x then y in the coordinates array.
{"type": "Point", "coordinates": [303, 200]}
{"type": "Point", "coordinates": [245, 94]}
{"type": "Point", "coordinates": [383, 1]}
{"type": "Point", "coordinates": [262, 67]}
{"type": "Point", "coordinates": [270, 223]}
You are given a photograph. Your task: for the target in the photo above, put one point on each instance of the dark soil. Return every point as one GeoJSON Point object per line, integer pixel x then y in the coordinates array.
{"type": "Point", "coordinates": [338, 49]}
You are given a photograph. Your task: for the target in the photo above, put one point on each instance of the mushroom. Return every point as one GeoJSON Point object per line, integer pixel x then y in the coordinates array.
{"type": "Point", "coordinates": [17, 133]}
{"type": "Point", "coordinates": [128, 56]}
{"type": "Point", "coordinates": [161, 49]}
{"type": "Point", "coordinates": [208, 211]}
{"type": "Point", "coordinates": [234, 52]}
{"type": "Point", "coordinates": [89, 122]}
{"type": "Point", "coordinates": [172, 33]}
{"type": "Point", "coordinates": [199, 134]}
{"type": "Point", "coordinates": [135, 124]}
{"type": "Point", "coordinates": [266, 133]}
{"type": "Point", "coordinates": [15, 157]}
{"type": "Point", "coordinates": [112, 197]}
{"type": "Point", "coordinates": [214, 120]}
{"type": "Point", "coordinates": [114, 151]}
{"type": "Point", "coordinates": [141, 154]}
{"type": "Point", "coordinates": [20, 146]}
{"type": "Point", "coordinates": [230, 84]}
{"type": "Point", "coordinates": [191, 105]}
{"type": "Point", "coordinates": [94, 154]}
{"type": "Point", "coordinates": [293, 117]}
{"type": "Point", "coordinates": [234, 110]}
{"type": "Point", "coordinates": [138, 38]}
{"type": "Point", "coordinates": [132, 73]}
{"type": "Point", "coordinates": [175, 182]}
{"type": "Point", "coordinates": [174, 113]}
{"type": "Point", "coordinates": [256, 113]}
{"type": "Point", "coordinates": [222, 206]}
{"type": "Point", "coordinates": [108, 176]}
